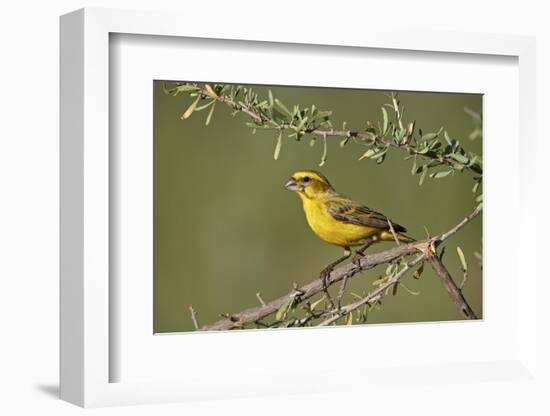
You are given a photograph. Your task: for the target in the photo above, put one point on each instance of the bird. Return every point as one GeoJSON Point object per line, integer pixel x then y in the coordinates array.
{"type": "Point", "coordinates": [339, 220]}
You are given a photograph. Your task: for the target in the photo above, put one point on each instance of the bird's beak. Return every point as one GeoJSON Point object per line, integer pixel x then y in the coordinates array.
{"type": "Point", "coordinates": [292, 185]}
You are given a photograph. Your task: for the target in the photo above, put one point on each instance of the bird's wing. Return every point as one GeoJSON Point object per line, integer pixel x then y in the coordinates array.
{"type": "Point", "coordinates": [349, 211]}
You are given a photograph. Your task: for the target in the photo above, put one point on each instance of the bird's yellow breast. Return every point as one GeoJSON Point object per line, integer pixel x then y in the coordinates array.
{"type": "Point", "coordinates": [331, 230]}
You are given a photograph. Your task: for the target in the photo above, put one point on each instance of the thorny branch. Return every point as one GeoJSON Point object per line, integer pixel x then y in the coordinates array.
{"type": "Point", "coordinates": [374, 295]}
{"type": "Point", "coordinates": [454, 292]}
{"type": "Point", "coordinates": [273, 114]}
{"type": "Point", "coordinates": [427, 248]}
{"type": "Point", "coordinates": [262, 119]}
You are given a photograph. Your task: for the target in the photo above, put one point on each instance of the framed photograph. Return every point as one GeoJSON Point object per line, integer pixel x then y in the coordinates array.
{"type": "Point", "coordinates": [269, 241]}
{"type": "Point", "coordinates": [270, 206]}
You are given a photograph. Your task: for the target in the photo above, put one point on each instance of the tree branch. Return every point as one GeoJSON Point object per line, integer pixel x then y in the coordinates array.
{"type": "Point", "coordinates": [343, 311]}
{"type": "Point", "coordinates": [454, 292]}
{"type": "Point", "coordinates": [262, 118]}
{"type": "Point", "coordinates": [426, 247]}
{"type": "Point", "coordinates": [251, 315]}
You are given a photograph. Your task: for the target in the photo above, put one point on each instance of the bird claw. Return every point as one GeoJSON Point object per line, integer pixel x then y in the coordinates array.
{"type": "Point", "coordinates": [356, 259]}
{"type": "Point", "coordinates": [325, 275]}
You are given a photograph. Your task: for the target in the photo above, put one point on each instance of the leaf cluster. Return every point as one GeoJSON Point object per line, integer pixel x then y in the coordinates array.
{"type": "Point", "coordinates": [434, 154]}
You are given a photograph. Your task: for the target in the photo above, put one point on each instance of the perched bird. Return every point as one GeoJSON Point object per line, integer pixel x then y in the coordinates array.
{"type": "Point", "coordinates": [339, 220]}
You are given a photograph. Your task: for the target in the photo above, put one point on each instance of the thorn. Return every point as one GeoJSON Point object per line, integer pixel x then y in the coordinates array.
{"type": "Point", "coordinates": [259, 296]}
{"type": "Point", "coordinates": [194, 317]}
{"type": "Point", "coordinates": [428, 236]}
{"type": "Point", "coordinates": [393, 232]}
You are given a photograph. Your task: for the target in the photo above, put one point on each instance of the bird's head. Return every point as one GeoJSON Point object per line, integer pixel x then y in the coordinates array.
{"type": "Point", "coordinates": [309, 184]}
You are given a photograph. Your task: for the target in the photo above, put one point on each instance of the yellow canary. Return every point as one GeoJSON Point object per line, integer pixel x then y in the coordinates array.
{"type": "Point", "coordinates": [339, 220]}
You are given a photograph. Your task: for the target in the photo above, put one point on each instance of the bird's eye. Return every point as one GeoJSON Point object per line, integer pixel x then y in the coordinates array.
{"type": "Point", "coordinates": [306, 179]}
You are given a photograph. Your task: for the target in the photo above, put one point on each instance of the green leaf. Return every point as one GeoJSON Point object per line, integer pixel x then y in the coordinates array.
{"type": "Point", "coordinates": [325, 151]}
{"type": "Point", "coordinates": [447, 138]}
{"type": "Point", "coordinates": [423, 175]}
{"type": "Point", "coordinates": [190, 109]}
{"type": "Point", "coordinates": [394, 289]}
{"type": "Point", "coordinates": [419, 169]}
{"type": "Point", "coordinates": [379, 154]}
{"type": "Point", "coordinates": [441, 174]}
{"type": "Point", "coordinates": [418, 272]}
{"type": "Point", "coordinates": [209, 116]}
{"type": "Point", "coordinates": [460, 158]}
{"type": "Point", "coordinates": [434, 145]}
{"type": "Point", "coordinates": [321, 114]}
{"type": "Point", "coordinates": [278, 146]}
{"type": "Point", "coordinates": [283, 310]}
{"type": "Point", "coordinates": [313, 110]}
{"type": "Point", "coordinates": [385, 121]}
{"type": "Point", "coordinates": [368, 154]}
{"type": "Point", "coordinates": [205, 106]}
{"type": "Point", "coordinates": [412, 292]}
{"type": "Point", "coordinates": [210, 91]}
{"type": "Point", "coordinates": [380, 159]}
{"type": "Point", "coordinates": [423, 150]}
{"type": "Point", "coordinates": [462, 258]}
{"type": "Point", "coordinates": [289, 323]}
{"type": "Point", "coordinates": [316, 303]}
{"type": "Point", "coordinates": [270, 98]}
{"type": "Point", "coordinates": [344, 141]}
{"type": "Point", "coordinates": [282, 107]}
{"type": "Point", "coordinates": [184, 88]}
{"type": "Point", "coordinates": [302, 123]}
{"type": "Point", "coordinates": [429, 136]}
{"type": "Point", "coordinates": [400, 135]}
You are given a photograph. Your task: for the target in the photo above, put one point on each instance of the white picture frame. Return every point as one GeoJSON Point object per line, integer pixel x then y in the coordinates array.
{"type": "Point", "coordinates": [86, 165]}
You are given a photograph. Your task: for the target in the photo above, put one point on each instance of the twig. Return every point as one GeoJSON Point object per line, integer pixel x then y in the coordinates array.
{"type": "Point", "coordinates": [194, 318]}
{"type": "Point", "coordinates": [367, 262]}
{"type": "Point", "coordinates": [259, 296]}
{"type": "Point", "coordinates": [449, 284]}
{"type": "Point", "coordinates": [374, 294]}
{"type": "Point", "coordinates": [336, 133]}
{"type": "Point", "coordinates": [428, 236]}
{"type": "Point", "coordinates": [314, 287]}
{"type": "Point", "coordinates": [462, 223]}
{"type": "Point", "coordinates": [393, 233]}
{"type": "Point", "coordinates": [342, 290]}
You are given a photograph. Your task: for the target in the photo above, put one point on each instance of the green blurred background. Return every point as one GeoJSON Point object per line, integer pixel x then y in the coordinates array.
{"type": "Point", "coordinates": [226, 229]}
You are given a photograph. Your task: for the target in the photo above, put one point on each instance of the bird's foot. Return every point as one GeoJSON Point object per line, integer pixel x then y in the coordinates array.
{"type": "Point", "coordinates": [356, 259]}
{"type": "Point", "coordinates": [325, 278]}
{"type": "Point", "coordinates": [325, 275]}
